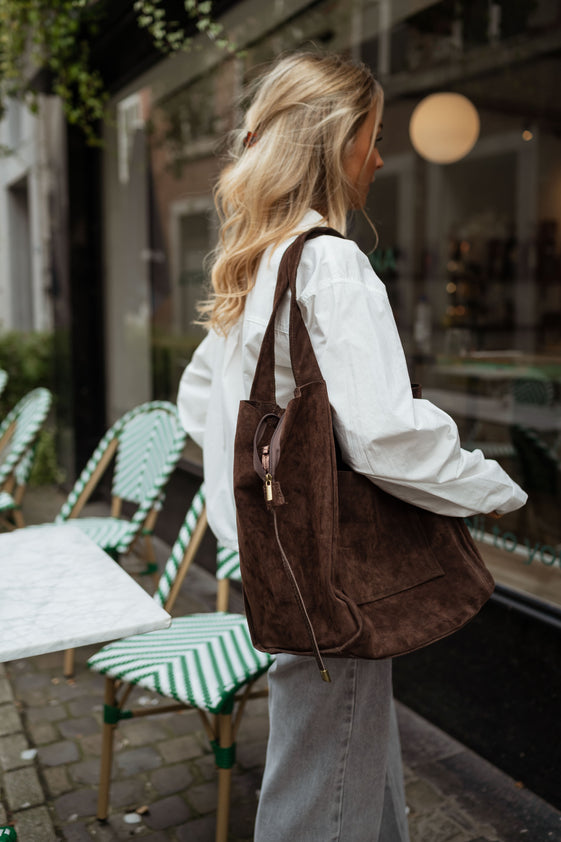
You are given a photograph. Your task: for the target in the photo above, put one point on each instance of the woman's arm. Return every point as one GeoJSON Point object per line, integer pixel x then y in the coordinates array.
{"type": "Point", "coordinates": [194, 390]}
{"type": "Point", "coordinates": [409, 447]}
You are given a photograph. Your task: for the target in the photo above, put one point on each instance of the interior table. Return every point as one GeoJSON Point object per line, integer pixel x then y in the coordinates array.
{"type": "Point", "coordinates": [59, 590]}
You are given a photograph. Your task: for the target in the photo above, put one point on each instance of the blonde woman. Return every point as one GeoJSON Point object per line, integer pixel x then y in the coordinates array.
{"type": "Point", "coordinates": [306, 155]}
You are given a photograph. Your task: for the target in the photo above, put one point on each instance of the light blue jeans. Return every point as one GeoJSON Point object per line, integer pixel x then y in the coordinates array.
{"type": "Point", "coordinates": [333, 771]}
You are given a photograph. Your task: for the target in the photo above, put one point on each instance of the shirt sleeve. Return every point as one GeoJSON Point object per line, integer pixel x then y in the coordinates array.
{"type": "Point", "coordinates": [194, 390]}
{"type": "Point", "coordinates": [409, 447]}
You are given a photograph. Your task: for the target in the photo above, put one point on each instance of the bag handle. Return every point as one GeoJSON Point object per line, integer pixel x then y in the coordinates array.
{"type": "Point", "coordinates": [302, 358]}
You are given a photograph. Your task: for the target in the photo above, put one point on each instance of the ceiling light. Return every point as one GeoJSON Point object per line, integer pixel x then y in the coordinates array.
{"type": "Point", "coordinates": [444, 127]}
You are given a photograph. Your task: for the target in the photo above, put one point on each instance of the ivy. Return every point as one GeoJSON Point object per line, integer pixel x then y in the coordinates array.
{"type": "Point", "coordinates": [169, 35]}
{"type": "Point", "coordinates": [39, 34]}
{"type": "Point", "coordinates": [57, 36]}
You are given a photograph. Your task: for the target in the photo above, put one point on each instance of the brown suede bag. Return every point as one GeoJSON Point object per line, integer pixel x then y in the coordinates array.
{"type": "Point", "coordinates": [331, 564]}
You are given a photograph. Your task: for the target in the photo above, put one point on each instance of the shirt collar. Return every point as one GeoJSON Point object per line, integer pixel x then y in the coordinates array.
{"type": "Point", "coordinates": [311, 219]}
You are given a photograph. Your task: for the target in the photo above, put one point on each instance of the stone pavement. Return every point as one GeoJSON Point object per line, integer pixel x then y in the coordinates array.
{"type": "Point", "coordinates": [164, 782]}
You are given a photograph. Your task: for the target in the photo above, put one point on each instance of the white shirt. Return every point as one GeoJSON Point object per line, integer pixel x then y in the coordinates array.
{"type": "Point", "coordinates": [409, 447]}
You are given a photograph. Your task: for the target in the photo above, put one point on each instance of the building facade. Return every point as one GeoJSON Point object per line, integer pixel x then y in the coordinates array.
{"type": "Point", "coordinates": [469, 250]}
{"type": "Point", "coordinates": [25, 233]}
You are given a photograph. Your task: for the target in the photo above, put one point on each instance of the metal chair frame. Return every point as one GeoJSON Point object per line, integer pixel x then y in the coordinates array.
{"type": "Point", "coordinates": [221, 726]}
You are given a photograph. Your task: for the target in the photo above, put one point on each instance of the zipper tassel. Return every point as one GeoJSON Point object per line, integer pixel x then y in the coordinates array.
{"type": "Point", "coordinates": [324, 672]}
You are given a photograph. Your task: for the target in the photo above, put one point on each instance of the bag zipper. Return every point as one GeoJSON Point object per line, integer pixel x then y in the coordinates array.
{"type": "Point", "coordinates": [265, 461]}
{"type": "Point", "coordinates": [266, 458]}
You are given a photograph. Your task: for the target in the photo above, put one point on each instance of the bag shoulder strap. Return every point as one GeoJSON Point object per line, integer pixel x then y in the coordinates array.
{"type": "Point", "coordinates": [303, 360]}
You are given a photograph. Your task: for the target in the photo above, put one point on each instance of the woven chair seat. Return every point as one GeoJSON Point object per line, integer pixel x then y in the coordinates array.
{"type": "Point", "coordinates": [6, 501]}
{"type": "Point", "coordinates": [109, 533]}
{"type": "Point", "coordinates": [201, 660]}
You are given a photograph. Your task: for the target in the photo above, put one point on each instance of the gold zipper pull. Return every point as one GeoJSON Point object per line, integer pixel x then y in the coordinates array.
{"type": "Point", "coordinates": [268, 488]}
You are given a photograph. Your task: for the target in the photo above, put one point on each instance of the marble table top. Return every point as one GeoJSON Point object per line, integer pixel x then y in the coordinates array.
{"type": "Point", "coordinates": [59, 590]}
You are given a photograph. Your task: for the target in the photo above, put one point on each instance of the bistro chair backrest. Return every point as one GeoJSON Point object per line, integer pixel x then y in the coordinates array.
{"type": "Point", "coordinates": [142, 439]}
{"type": "Point", "coordinates": [228, 565]}
{"type": "Point", "coordinates": [178, 563]}
{"type": "Point", "coordinates": [146, 443]}
{"type": "Point", "coordinates": [143, 446]}
{"type": "Point", "coordinates": [20, 428]}
{"type": "Point", "coordinates": [535, 391]}
{"type": "Point", "coordinates": [23, 468]}
{"type": "Point", "coordinates": [539, 464]}
{"type": "Point", "coordinates": [182, 553]}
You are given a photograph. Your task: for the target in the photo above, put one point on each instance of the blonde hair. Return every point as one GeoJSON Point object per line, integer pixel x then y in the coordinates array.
{"type": "Point", "coordinates": [305, 114]}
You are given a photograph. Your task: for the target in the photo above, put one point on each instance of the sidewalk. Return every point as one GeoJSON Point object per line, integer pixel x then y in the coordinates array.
{"type": "Point", "coordinates": [50, 747]}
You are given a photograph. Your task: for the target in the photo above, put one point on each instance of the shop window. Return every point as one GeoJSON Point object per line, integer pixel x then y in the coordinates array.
{"type": "Point", "coordinates": [175, 333]}
{"type": "Point", "coordinates": [470, 252]}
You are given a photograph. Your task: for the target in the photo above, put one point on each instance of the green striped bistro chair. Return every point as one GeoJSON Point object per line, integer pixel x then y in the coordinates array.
{"type": "Point", "coordinates": [202, 661]}
{"type": "Point", "coordinates": [8, 833]}
{"type": "Point", "coordinates": [538, 462]}
{"type": "Point", "coordinates": [18, 433]}
{"type": "Point", "coordinates": [144, 446]}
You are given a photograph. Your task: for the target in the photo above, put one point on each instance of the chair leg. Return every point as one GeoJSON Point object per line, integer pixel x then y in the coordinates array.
{"type": "Point", "coordinates": [19, 519]}
{"type": "Point", "coordinates": [106, 754]}
{"type": "Point", "coordinates": [68, 668]}
{"type": "Point", "coordinates": [149, 552]}
{"type": "Point", "coordinates": [151, 563]}
{"type": "Point", "coordinates": [224, 778]}
{"type": "Point", "coordinates": [223, 594]}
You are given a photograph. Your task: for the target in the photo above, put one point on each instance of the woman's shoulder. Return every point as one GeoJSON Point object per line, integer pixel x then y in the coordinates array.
{"type": "Point", "coordinates": [337, 247]}
{"type": "Point", "coordinates": [328, 259]}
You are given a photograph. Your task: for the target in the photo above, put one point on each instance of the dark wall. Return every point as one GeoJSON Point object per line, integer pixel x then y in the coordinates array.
{"type": "Point", "coordinates": [122, 51]}
{"type": "Point", "coordinates": [86, 294]}
{"type": "Point", "coordinates": [496, 687]}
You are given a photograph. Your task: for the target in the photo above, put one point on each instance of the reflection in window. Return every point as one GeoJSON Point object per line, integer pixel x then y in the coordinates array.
{"type": "Point", "coordinates": [470, 252]}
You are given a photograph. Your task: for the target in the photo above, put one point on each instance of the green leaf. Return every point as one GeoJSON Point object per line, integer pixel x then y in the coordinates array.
{"type": "Point", "coordinates": [58, 35]}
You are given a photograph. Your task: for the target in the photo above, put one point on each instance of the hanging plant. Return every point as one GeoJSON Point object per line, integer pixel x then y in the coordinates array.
{"type": "Point", "coordinates": [57, 36]}
{"type": "Point", "coordinates": [39, 34]}
{"type": "Point", "coordinates": [169, 35]}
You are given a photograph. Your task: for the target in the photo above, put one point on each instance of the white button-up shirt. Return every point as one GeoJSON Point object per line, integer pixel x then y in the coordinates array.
{"type": "Point", "coordinates": [409, 447]}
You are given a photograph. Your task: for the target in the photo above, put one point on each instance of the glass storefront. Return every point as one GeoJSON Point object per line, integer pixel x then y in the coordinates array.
{"type": "Point", "coordinates": [470, 250]}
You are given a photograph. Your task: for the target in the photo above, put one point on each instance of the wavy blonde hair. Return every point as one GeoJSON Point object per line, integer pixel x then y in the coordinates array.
{"type": "Point", "coordinates": [305, 113]}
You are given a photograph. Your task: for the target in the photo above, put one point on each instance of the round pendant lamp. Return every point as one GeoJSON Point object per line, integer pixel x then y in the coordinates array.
{"type": "Point", "coordinates": [444, 127]}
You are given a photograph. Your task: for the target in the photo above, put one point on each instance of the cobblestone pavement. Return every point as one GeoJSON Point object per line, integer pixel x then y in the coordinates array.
{"type": "Point", "coordinates": [164, 780]}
